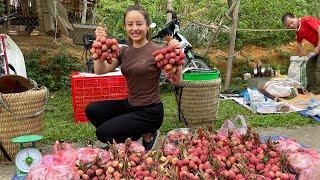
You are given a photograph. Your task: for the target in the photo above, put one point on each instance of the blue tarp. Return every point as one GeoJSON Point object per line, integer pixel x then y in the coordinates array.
{"type": "Point", "coordinates": [304, 113]}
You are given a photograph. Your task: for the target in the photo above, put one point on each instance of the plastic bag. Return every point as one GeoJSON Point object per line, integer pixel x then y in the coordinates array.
{"type": "Point", "coordinates": [232, 126]}
{"type": "Point", "coordinates": [312, 173]}
{"type": "Point", "coordinates": [288, 145]}
{"type": "Point", "coordinates": [281, 89]}
{"type": "Point", "coordinates": [137, 147]}
{"type": "Point", "coordinates": [297, 68]}
{"type": "Point", "coordinates": [300, 161]}
{"type": "Point", "coordinates": [264, 107]}
{"type": "Point", "coordinates": [64, 154]}
{"type": "Point", "coordinates": [171, 148]}
{"type": "Point", "coordinates": [313, 102]}
{"type": "Point", "coordinates": [314, 112]}
{"type": "Point", "coordinates": [255, 95]}
{"type": "Point", "coordinates": [89, 154]}
{"type": "Point", "coordinates": [59, 165]}
{"type": "Point", "coordinates": [52, 172]}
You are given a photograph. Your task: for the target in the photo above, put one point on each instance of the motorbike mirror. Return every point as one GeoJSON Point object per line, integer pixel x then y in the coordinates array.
{"type": "Point", "coordinates": [153, 25]}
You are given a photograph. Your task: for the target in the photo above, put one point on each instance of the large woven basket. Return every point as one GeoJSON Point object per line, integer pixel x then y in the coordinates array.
{"type": "Point", "coordinates": [20, 114]}
{"type": "Point", "coordinates": [198, 101]}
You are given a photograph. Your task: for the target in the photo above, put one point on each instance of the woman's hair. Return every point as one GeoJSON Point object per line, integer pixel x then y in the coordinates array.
{"type": "Point", "coordinates": [143, 12]}
{"type": "Point", "coordinates": [285, 16]}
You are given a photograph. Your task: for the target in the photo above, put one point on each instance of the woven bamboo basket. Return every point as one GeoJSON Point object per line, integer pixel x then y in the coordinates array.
{"type": "Point", "coordinates": [199, 101]}
{"type": "Point", "coordinates": [20, 114]}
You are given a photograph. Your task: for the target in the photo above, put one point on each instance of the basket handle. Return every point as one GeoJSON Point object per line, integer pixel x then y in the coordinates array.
{"type": "Point", "coordinates": [177, 90]}
{"type": "Point", "coordinates": [4, 105]}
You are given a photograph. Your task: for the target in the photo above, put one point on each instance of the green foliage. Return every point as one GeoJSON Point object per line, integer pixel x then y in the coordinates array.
{"type": "Point", "coordinates": [59, 123]}
{"type": "Point", "coordinates": [2, 7]}
{"type": "Point", "coordinates": [111, 13]}
{"type": "Point", "coordinates": [253, 14]}
{"type": "Point", "coordinates": [52, 71]}
{"type": "Point", "coordinates": [267, 15]}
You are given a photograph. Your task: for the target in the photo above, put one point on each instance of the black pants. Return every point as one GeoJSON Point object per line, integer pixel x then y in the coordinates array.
{"type": "Point", "coordinates": [118, 120]}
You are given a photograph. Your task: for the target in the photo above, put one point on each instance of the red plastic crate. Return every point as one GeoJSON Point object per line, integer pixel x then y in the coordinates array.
{"type": "Point", "coordinates": [96, 88]}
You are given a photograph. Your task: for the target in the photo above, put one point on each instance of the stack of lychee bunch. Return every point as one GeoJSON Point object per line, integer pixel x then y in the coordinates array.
{"type": "Point", "coordinates": [169, 59]}
{"type": "Point", "coordinates": [105, 49]}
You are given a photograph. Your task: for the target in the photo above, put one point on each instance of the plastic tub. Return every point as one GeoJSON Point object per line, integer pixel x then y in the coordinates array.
{"type": "Point", "coordinates": [200, 76]}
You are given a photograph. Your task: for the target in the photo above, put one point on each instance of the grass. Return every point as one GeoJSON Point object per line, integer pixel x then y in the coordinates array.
{"type": "Point", "coordinates": [59, 122]}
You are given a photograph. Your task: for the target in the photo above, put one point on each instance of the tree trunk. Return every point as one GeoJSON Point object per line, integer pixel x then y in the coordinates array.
{"type": "Point", "coordinates": [40, 10]}
{"type": "Point", "coordinates": [24, 7]}
{"type": "Point", "coordinates": [136, 2]}
{"type": "Point", "coordinates": [94, 14]}
{"type": "Point", "coordinates": [169, 9]}
{"type": "Point", "coordinates": [231, 55]}
{"type": "Point", "coordinates": [84, 12]}
{"type": "Point", "coordinates": [8, 13]}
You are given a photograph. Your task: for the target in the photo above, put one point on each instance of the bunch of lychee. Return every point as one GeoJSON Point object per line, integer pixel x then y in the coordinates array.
{"type": "Point", "coordinates": [105, 49]}
{"type": "Point", "coordinates": [169, 59]}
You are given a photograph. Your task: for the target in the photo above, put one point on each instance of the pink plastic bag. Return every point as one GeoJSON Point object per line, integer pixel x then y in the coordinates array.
{"type": "Point", "coordinates": [52, 172]}
{"type": "Point", "coordinates": [89, 154]}
{"type": "Point", "coordinates": [64, 154]}
{"type": "Point", "coordinates": [288, 145]}
{"type": "Point", "coordinates": [231, 126]}
{"type": "Point", "coordinates": [135, 146]}
{"type": "Point", "coordinates": [312, 173]}
{"type": "Point", "coordinates": [300, 161]}
{"type": "Point", "coordinates": [59, 165]}
{"type": "Point", "coordinates": [171, 149]}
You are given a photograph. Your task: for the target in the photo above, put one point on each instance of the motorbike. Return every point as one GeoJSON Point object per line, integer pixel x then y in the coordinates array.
{"type": "Point", "coordinates": [172, 29]}
{"type": "Point", "coordinates": [11, 57]}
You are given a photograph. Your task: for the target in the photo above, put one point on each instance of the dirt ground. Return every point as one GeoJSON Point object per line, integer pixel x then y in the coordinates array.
{"type": "Point", "coordinates": [29, 44]}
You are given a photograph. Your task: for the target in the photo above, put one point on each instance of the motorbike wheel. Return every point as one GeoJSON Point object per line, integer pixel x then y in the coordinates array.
{"type": "Point", "coordinates": [197, 63]}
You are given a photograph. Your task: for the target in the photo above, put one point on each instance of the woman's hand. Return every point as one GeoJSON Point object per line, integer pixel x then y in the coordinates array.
{"type": "Point", "coordinates": [174, 43]}
{"type": "Point", "coordinates": [175, 78]}
{"type": "Point", "coordinates": [101, 31]}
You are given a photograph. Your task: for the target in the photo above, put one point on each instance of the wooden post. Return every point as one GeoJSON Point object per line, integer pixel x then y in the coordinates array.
{"type": "Point", "coordinates": [169, 9]}
{"type": "Point", "coordinates": [84, 12]}
{"type": "Point", "coordinates": [231, 55]}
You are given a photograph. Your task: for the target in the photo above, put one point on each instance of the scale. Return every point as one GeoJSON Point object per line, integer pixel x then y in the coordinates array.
{"type": "Point", "coordinates": [26, 157]}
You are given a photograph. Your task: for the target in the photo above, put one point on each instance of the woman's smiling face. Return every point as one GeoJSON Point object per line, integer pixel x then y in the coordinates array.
{"type": "Point", "coordinates": [136, 27]}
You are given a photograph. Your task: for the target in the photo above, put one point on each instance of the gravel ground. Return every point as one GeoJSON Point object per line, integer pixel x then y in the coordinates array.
{"type": "Point", "coordinates": [307, 135]}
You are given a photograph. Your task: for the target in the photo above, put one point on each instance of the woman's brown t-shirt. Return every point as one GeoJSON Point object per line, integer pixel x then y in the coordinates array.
{"type": "Point", "coordinates": [143, 76]}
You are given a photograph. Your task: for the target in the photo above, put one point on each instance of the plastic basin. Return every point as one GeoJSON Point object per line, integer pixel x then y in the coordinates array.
{"type": "Point", "coordinates": [200, 76]}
